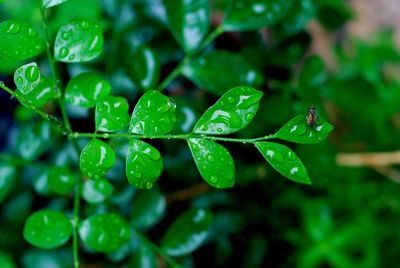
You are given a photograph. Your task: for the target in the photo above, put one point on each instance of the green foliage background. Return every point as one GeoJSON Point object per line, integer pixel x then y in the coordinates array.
{"type": "Point", "coordinates": [348, 217]}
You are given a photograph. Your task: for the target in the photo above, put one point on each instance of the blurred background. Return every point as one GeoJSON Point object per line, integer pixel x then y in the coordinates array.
{"type": "Point", "coordinates": [341, 56]}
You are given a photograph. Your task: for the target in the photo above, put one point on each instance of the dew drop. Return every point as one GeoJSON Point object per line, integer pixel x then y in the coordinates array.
{"type": "Point", "coordinates": [32, 73]}
{"type": "Point", "coordinates": [20, 80]}
{"type": "Point", "coordinates": [32, 32]}
{"type": "Point", "coordinates": [14, 28]}
{"type": "Point", "coordinates": [210, 158]}
{"type": "Point", "coordinates": [85, 25]}
{"type": "Point", "coordinates": [64, 52]}
{"type": "Point", "coordinates": [71, 57]}
{"type": "Point", "coordinates": [231, 100]}
{"type": "Point", "coordinates": [149, 185]}
{"type": "Point", "coordinates": [213, 179]}
{"type": "Point", "coordinates": [66, 35]}
{"type": "Point", "coordinates": [292, 156]}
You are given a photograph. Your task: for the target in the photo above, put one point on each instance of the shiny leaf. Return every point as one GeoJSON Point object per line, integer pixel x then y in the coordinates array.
{"type": "Point", "coordinates": [143, 66]}
{"type": "Point", "coordinates": [214, 162]}
{"type": "Point", "coordinates": [78, 41]}
{"type": "Point", "coordinates": [7, 180]}
{"type": "Point", "coordinates": [104, 232]}
{"type": "Point", "coordinates": [187, 232]}
{"type": "Point", "coordinates": [61, 180]}
{"type": "Point", "coordinates": [245, 15]}
{"type": "Point", "coordinates": [47, 229]}
{"type": "Point", "coordinates": [148, 209]}
{"type": "Point", "coordinates": [144, 257]}
{"type": "Point", "coordinates": [143, 164]}
{"type": "Point", "coordinates": [297, 130]}
{"type": "Point", "coordinates": [220, 70]}
{"type": "Point", "coordinates": [112, 114]}
{"type": "Point", "coordinates": [232, 112]}
{"type": "Point", "coordinates": [86, 89]}
{"type": "Point", "coordinates": [97, 191]}
{"type": "Point", "coordinates": [189, 21]}
{"type": "Point", "coordinates": [51, 3]}
{"type": "Point", "coordinates": [42, 93]}
{"type": "Point", "coordinates": [27, 77]}
{"type": "Point", "coordinates": [96, 159]}
{"type": "Point", "coordinates": [284, 160]}
{"type": "Point", "coordinates": [19, 41]}
{"type": "Point", "coordinates": [153, 114]}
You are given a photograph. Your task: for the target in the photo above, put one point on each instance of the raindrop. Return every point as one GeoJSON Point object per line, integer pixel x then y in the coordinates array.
{"type": "Point", "coordinates": [32, 32]}
{"type": "Point", "coordinates": [32, 73]}
{"type": "Point", "coordinates": [85, 25]}
{"type": "Point", "coordinates": [64, 52]}
{"type": "Point", "coordinates": [213, 179]}
{"type": "Point", "coordinates": [14, 28]}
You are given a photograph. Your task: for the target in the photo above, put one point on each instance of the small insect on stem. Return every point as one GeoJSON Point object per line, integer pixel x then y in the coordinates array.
{"type": "Point", "coordinates": [312, 116]}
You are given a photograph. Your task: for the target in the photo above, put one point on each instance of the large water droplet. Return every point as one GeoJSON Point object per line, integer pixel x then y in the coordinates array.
{"type": "Point", "coordinates": [32, 73]}
{"type": "Point", "coordinates": [32, 32]}
{"type": "Point", "coordinates": [64, 52]}
{"type": "Point", "coordinates": [14, 28]}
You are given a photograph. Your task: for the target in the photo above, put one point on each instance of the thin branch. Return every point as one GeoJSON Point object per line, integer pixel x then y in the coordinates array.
{"type": "Point", "coordinates": [188, 193]}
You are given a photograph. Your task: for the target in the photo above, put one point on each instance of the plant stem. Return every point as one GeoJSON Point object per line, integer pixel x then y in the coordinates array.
{"type": "Point", "coordinates": [157, 249]}
{"type": "Point", "coordinates": [178, 69]}
{"type": "Point", "coordinates": [76, 135]}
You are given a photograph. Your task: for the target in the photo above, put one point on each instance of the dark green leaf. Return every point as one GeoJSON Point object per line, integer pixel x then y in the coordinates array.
{"type": "Point", "coordinates": [97, 191]}
{"type": "Point", "coordinates": [42, 93]}
{"type": "Point", "coordinates": [96, 159]}
{"type": "Point", "coordinates": [104, 232]}
{"type": "Point", "coordinates": [232, 112]}
{"type": "Point", "coordinates": [51, 3]}
{"type": "Point", "coordinates": [143, 164]}
{"type": "Point", "coordinates": [187, 232]}
{"type": "Point", "coordinates": [86, 89]}
{"type": "Point", "coordinates": [78, 41]}
{"type": "Point", "coordinates": [112, 114]}
{"type": "Point", "coordinates": [27, 77]}
{"type": "Point", "coordinates": [143, 257]}
{"type": "Point", "coordinates": [244, 15]}
{"type": "Point", "coordinates": [284, 160]}
{"type": "Point", "coordinates": [297, 130]}
{"type": "Point", "coordinates": [7, 180]}
{"type": "Point", "coordinates": [189, 21]}
{"type": "Point", "coordinates": [6, 261]}
{"type": "Point", "coordinates": [214, 163]}
{"type": "Point", "coordinates": [143, 66]}
{"type": "Point", "coordinates": [148, 209]}
{"type": "Point", "coordinates": [47, 229]}
{"type": "Point", "coordinates": [61, 180]}
{"type": "Point", "coordinates": [153, 114]}
{"type": "Point", "coordinates": [220, 70]}
{"type": "Point", "coordinates": [19, 41]}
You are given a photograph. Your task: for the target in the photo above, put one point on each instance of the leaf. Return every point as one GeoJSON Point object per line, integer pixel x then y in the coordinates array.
{"type": "Point", "coordinates": [42, 93]}
{"type": "Point", "coordinates": [104, 232]}
{"type": "Point", "coordinates": [7, 180]}
{"type": "Point", "coordinates": [187, 232]}
{"type": "Point", "coordinates": [51, 3]}
{"type": "Point", "coordinates": [142, 65]}
{"type": "Point", "coordinates": [143, 164]}
{"type": "Point", "coordinates": [189, 21]}
{"type": "Point", "coordinates": [112, 114]}
{"type": "Point", "coordinates": [19, 41]}
{"type": "Point", "coordinates": [96, 159]}
{"type": "Point", "coordinates": [27, 77]}
{"type": "Point", "coordinates": [153, 114]}
{"type": "Point", "coordinates": [245, 15]}
{"type": "Point", "coordinates": [47, 229]}
{"type": "Point", "coordinates": [231, 113]}
{"type": "Point", "coordinates": [78, 41]}
{"type": "Point", "coordinates": [97, 191]}
{"type": "Point", "coordinates": [219, 70]}
{"type": "Point", "coordinates": [86, 89]}
{"type": "Point", "coordinates": [284, 160]}
{"type": "Point", "coordinates": [143, 256]}
{"type": "Point", "coordinates": [61, 180]}
{"type": "Point", "coordinates": [297, 130]}
{"type": "Point", "coordinates": [148, 209]}
{"type": "Point", "coordinates": [214, 162]}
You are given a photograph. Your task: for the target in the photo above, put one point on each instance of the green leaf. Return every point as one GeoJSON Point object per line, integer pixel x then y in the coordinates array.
{"type": "Point", "coordinates": [7, 180]}
{"type": "Point", "coordinates": [153, 114]}
{"type": "Point", "coordinates": [143, 256]}
{"type": "Point", "coordinates": [232, 112]}
{"type": "Point", "coordinates": [96, 159]}
{"type": "Point", "coordinates": [104, 232]}
{"type": "Point", "coordinates": [7, 262]}
{"type": "Point", "coordinates": [143, 164]}
{"type": "Point", "coordinates": [47, 229]}
{"type": "Point", "coordinates": [187, 232]}
{"type": "Point", "coordinates": [284, 160]}
{"type": "Point", "coordinates": [297, 130]}
{"type": "Point", "coordinates": [61, 180]}
{"type": "Point", "coordinates": [112, 114]}
{"type": "Point", "coordinates": [19, 41]}
{"type": "Point", "coordinates": [189, 21]}
{"type": "Point", "coordinates": [97, 191]}
{"type": "Point", "coordinates": [143, 66]}
{"type": "Point", "coordinates": [42, 93]}
{"type": "Point", "coordinates": [214, 162]}
{"type": "Point", "coordinates": [245, 15]}
{"type": "Point", "coordinates": [219, 70]}
{"type": "Point", "coordinates": [78, 41]}
{"type": "Point", "coordinates": [148, 209]}
{"type": "Point", "coordinates": [51, 3]}
{"type": "Point", "coordinates": [27, 77]}
{"type": "Point", "coordinates": [86, 89]}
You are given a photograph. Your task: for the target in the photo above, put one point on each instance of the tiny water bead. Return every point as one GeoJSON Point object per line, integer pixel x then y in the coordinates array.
{"type": "Point", "coordinates": [144, 164]}
{"type": "Point", "coordinates": [112, 114]}
{"type": "Point", "coordinates": [78, 41]}
{"type": "Point", "coordinates": [232, 112]}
